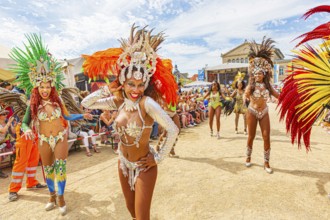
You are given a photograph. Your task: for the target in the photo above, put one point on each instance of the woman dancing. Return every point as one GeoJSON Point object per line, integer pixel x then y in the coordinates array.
{"type": "Point", "coordinates": [258, 92]}
{"type": "Point", "coordinates": [143, 79]}
{"type": "Point", "coordinates": [215, 105]}
{"type": "Point", "coordinates": [239, 108]}
{"type": "Point", "coordinates": [45, 118]}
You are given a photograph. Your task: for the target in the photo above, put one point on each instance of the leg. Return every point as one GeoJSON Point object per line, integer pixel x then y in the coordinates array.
{"type": "Point", "coordinates": [128, 194]}
{"type": "Point", "coordinates": [93, 138]}
{"type": "Point", "coordinates": [252, 126]}
{"type": "Point", "coordinates": [47, 157]}
{"type": "Point", "coordinates": [218, 114]}
{"type": "Point", "coordinates": [184, 121]}
{"type": "Point", "coordinates": [32, 165]}
{"type": "Point", "coordinates": [236, 122]}
{"type": "Point", "coordinates": [244, 117]}
{"type": "Point", "coordinates": [85, 141]}
{"type": "Point", "coordinates": [23, 149]}
{"type": "Point", "coordinates": [176, 120]}
{"type": "Point", "coordinates": [144, 189]}
{"type": "Point", "coordinates": [211, 116]}
{"type": "Point", "coordinates": [265, 130]}
{"type": "Point", "coordinates": [61, 154]}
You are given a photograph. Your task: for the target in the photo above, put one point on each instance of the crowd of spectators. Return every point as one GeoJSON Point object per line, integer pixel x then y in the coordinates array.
{"type": "Point", "coordinates": [191, 108]}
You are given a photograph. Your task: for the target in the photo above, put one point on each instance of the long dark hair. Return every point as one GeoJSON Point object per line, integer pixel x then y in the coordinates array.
{"type": "Point", "coordinates": [218, 87]}
{"type": "Point", "coordinates": [243, 84]}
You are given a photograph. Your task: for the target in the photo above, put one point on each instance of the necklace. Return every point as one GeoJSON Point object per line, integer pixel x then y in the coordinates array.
{"type": "Point", "coordinates": [130, 105]}
{"type": "Point", "coordinates": [46, 102]}
{"type": "Point", "coordinates": [261, 85]}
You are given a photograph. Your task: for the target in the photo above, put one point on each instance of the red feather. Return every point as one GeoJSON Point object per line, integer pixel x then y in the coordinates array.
{"type": "Point", "coordinates": [164, 81]}
{"type": "Point", "coordinates": [322, 31]}
{"type": "Point", "coordinates": [321, 8]}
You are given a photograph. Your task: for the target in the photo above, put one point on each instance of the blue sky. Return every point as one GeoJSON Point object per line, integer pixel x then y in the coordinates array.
{"type": "Point", "coordinates": [197, 31]}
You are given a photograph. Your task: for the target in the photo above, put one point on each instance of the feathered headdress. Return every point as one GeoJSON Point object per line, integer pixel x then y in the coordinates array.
{"type": "Point", "coordinates": [260, 57]}
{"type": "Point", "coordinates": [306, 92]}
{"type": "Point", "coordinates": [135, 58]}
{"type": "Point", "coordinates": [35, 64]}
{"type": "Point", "coordinates": [239, 77]}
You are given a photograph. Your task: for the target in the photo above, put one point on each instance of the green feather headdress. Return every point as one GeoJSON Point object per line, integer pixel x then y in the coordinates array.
{"type": "Point", "coordinates": [35, 65]}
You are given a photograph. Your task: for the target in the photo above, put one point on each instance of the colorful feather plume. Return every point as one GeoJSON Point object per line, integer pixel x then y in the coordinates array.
{"type": "Point", "coordinates": [140, 50]}
{"type": "Point", "coordinates": [306, 91]}
{"type": "Point", "coordinates": [102, 63]}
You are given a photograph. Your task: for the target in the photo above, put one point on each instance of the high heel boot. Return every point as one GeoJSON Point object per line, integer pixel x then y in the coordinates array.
{"type": "Point", "coordinates": [248, 156]}
{"type": "Point", "coordinates": [266, 158]}
{"type": "Point", "coordinates": [52, 202]}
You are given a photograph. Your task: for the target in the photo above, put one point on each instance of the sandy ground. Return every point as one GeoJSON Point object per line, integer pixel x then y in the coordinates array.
{"type": "Point", "coordinates": [208, 181]}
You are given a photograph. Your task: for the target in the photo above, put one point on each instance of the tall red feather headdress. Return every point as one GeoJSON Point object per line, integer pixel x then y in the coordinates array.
{"type": "Point", "coordinates": [138, 51]}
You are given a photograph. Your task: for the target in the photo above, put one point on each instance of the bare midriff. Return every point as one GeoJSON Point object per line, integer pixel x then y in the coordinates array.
{"type": "Point", "coordinates": [53, 127]}
{"type": "Point", "coordinates": [258, 104]}
{"type": "Point", "coordinates": [132, 153]}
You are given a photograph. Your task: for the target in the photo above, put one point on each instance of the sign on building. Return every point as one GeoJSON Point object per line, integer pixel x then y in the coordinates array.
{"type": "Point", "coordinates": [201, 75]}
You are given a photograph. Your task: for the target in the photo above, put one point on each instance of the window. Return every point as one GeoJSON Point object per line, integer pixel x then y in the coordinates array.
{"type": "Point", "coordinates": [281, 71]}
{"type": "Point", "coordinates": [246, 60]}
{"type": "Point", "coordinates": [237, 60]}
{"type": "Point", "coordinates": [242, 60]}
{"type": "Point", "coordinates": [233, 61]}
{"type": "Point", "coordinates": [229, 60]}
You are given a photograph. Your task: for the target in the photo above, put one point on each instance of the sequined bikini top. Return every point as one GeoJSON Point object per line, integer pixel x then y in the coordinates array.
{"type": "Point", "coordinates": [43, 116]}
{"type": "Point", "coordinates": [132, 129]}
{"type": "Point", "coordinates": [261, 93]}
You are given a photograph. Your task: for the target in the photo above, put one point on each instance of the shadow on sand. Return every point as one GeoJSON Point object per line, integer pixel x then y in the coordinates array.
{"type": "Point", "coordinates": [235, 167]}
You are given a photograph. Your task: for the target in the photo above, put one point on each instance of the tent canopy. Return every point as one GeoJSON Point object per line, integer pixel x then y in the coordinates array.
{"type": "Point", "coordinates": [197, 84]}
{"type": "Point", "coordinates": [6, 75]}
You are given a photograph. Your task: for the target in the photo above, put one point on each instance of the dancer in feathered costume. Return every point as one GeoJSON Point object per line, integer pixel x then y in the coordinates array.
{"type": "Point", "coordinates": [306, 93]}
{"type": "Point", "coordinates": [143, 78]}
{"type": "Point", "coordinates": [258, 92]}
{"type": "Point", "coordinates": [239, 106]}
{"type": "Point", "coordinates": [44, 122]}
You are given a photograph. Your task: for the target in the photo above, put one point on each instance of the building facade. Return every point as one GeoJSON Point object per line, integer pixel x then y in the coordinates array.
{"type": "Point", "coordinates": [237, 60]}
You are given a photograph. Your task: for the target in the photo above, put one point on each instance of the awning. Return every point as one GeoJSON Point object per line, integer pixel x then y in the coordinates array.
{"type": "Point", "coordinates": [227, 67]}
{"type": "Point", "coordinates": [197, 84]}
{"type": "Point", "coordinates": [6, 75]}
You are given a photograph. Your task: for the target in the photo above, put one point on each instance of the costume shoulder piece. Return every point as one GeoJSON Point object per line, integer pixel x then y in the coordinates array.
{"type": "Point", "coordinates": [34, 64]}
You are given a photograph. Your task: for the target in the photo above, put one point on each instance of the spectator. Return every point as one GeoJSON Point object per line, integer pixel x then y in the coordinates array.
{"type": "Point", "coordinates": [106, 121]}
{"type": "Point", "coordinates": [154, 132]}
{"type": "Point", "coordinates": [5, 144]}
{"type": "Point", "coordinates": [6, 85]}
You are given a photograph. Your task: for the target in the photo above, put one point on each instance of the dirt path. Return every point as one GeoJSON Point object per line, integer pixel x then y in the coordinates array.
{"type": "Point", "coordinates": [208, 181]}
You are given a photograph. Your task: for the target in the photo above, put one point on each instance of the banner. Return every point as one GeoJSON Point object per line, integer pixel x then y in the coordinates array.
{"type": "Point", "coordinates": [276, 72]}
{"type": "Point", "coordinates": [201, 75]}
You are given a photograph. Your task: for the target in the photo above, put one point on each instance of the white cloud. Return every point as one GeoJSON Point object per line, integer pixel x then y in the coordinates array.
{"type": "Point", "coordinates": [198, 30]}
